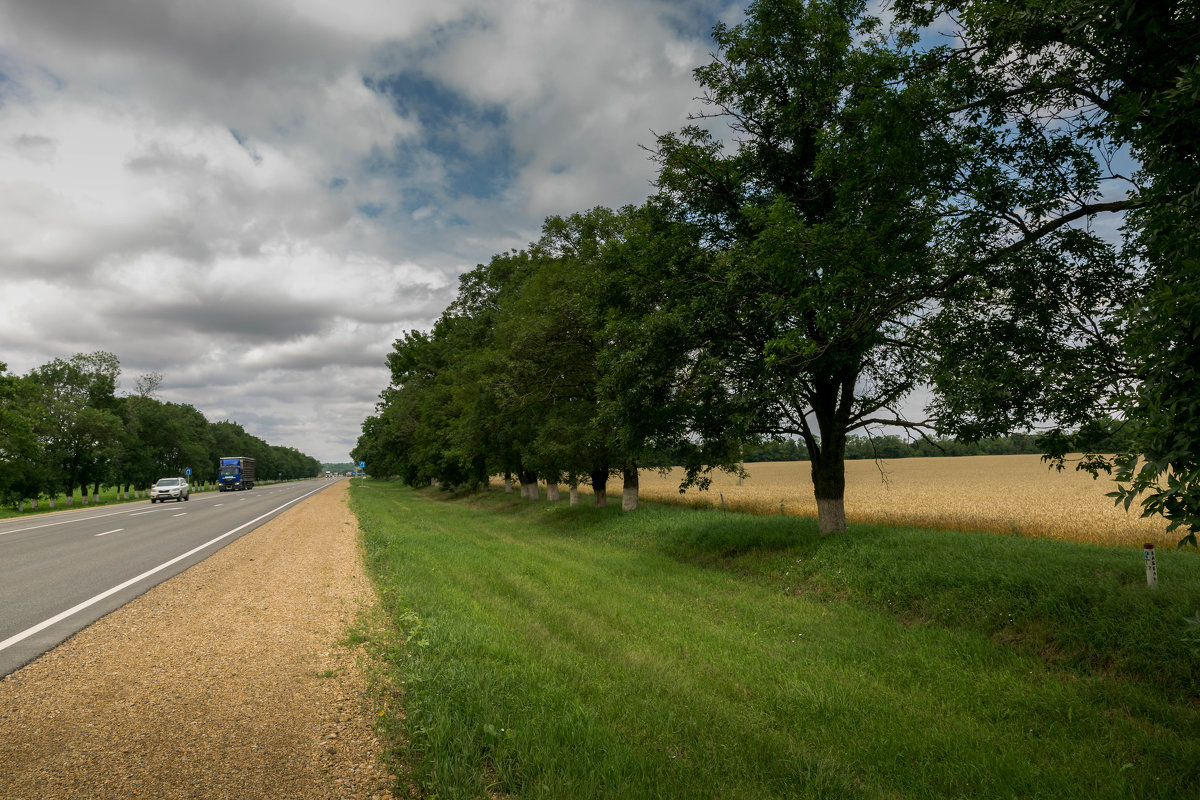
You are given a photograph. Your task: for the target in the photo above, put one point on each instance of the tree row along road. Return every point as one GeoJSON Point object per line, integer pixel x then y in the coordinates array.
{"type": "Point", "coordinates": [60, 572]}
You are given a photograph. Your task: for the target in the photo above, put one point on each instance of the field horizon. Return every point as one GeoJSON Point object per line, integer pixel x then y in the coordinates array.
{"type": "Point", "coordinates": [1008, 494]}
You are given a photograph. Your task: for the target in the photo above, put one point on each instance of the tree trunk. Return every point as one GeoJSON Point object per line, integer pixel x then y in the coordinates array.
{"type": "Point", "coordinates": [552, 491]}
{"type": "Point", "coordinates": [529, 480]}
{"type": "Point", "coordinates": [600, 487]}
{"type": "Point", "coordinates": [829, 483]}
{"type": "Point", "coordinates": [574, 492]}
{"type": "Point", "coordinates": [508, 482]}
{"type": "Point", "coordinates": [629, 492]}
{"type": "Point", "coordinates": [831, 515]}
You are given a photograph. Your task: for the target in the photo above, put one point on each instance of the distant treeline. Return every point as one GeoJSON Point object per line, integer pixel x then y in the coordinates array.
{"type": "Point", "coordinates": [893, 446]}
{"type": "Point", "coordinates": [64, 427]}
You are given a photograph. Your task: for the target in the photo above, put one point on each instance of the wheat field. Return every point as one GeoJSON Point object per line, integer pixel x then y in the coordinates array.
{"type": "Point", "coordinates": [1005, 494]}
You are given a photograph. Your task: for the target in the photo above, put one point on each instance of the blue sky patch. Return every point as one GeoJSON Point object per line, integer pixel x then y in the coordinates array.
{"type": "Point", "coordinates": [469, 140]}
{"type": "Point", "coordinates": [692, 19]}
{"type": "Point", "coordinates": [244, 142]}
{"type": "Point", "coordinates": [372, 210]}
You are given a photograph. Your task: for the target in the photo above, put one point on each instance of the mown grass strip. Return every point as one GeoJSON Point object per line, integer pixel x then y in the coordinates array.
{"type": "Point", "coordinates": [550, 652]}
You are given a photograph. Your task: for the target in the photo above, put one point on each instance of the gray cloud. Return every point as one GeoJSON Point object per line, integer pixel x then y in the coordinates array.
{"type": "Point", "coordinates": [39, 149]}
{"type": "Point", "coordinates": [256, 197]}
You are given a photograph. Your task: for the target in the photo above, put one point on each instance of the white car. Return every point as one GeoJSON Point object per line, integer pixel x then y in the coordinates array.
{"type": "Point", "coordinates": [169, 489]}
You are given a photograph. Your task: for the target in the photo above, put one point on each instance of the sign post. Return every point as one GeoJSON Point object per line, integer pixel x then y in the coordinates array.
{"type": "Point", "coordinates": [1151, 567]}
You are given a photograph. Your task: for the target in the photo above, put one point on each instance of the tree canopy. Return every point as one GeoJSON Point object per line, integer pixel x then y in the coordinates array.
{"type": "Point", "coordinates": [859, 210]}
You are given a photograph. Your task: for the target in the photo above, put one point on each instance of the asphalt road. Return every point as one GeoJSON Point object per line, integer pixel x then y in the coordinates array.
{"type": "Point", "coordinates": [60, 572]}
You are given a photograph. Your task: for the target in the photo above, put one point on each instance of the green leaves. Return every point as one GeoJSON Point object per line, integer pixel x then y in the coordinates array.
{"type": "Point", "coordinates": [1106, 75]}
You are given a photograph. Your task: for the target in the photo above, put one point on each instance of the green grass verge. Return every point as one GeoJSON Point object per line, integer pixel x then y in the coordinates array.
{"type": "Point", "coordinates": [556, 652]}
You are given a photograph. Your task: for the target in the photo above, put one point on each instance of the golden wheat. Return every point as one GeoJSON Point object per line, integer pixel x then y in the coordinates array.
{"type": "Point", "coordinates": [1005, 494]}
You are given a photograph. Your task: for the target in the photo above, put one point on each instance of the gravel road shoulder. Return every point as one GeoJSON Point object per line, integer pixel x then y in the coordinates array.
{"type": "Point", "coordinates": [226, 681]}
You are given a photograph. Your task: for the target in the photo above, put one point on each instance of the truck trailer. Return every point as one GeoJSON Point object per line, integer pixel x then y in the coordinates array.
{"type": "Point", "coordinates": [235, 474]}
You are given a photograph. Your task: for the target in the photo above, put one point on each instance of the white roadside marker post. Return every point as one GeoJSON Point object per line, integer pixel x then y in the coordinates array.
{"type": "Point", "coordinates": [1151, 567]}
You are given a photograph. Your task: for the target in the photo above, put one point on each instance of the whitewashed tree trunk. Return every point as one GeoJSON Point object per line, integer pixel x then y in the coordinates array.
{"type": "Point", "coordinates": [35, 504]}
{"type": "Point", "coordinates": [52, 502]}
{"type": "Point", "coordinates": [552, 491]}
{"type": "Point", "coordinates": [534, 493]}
{"type": "Point", "coordinates": [574, 493]}
{"type": "Point", "coordinates": [629, 489]}
{"type": "Point", "coordinates": [601, 498]}
{"type": "Point", "coordinates": [20, 506]}
{"type": "Point", "coordinates": [831, 515]}
{"type": "Point", "coordinates": [524, 491]}
{"type": "Point", "coordinates": [508, 483]}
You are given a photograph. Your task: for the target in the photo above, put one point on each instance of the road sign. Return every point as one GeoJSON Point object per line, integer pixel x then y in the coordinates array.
{"type": "Point", "coordinates": [187, 471]}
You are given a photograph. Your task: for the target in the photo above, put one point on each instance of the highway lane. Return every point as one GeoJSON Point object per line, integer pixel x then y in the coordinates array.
{"type": "Point", "coordinates": [60, 572]}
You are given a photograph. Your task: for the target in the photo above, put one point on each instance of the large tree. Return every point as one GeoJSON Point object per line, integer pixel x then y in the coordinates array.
{"type": "Point", "coordinates": [552, 335]}
{"type": "Point", "coordinates": [860, 194]}
{"type": "Point", "coordinates": [82, 423]}
{"type": "Point", "coordinates": [23, 469]}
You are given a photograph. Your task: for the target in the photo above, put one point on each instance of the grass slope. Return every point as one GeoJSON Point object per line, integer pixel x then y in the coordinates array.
{"type": "Point", "coordinates": [556, 652]}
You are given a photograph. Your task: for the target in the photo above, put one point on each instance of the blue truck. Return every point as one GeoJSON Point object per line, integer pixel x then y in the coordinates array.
{"type": "Point", "coordinates": [235, 474]}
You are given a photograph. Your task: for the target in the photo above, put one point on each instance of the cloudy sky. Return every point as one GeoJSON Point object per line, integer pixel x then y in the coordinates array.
{"type": "Point", "coordinates": [256, 197]}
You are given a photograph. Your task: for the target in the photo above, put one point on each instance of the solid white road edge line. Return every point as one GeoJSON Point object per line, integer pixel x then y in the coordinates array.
{"type": "Point", "coordinates": [25, 634]}
{"type": "Point", "coordinates": [106, 533]}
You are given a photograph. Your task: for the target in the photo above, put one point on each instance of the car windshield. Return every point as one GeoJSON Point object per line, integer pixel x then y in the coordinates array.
{"type": "Point", "coordinates": [169, 482]}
